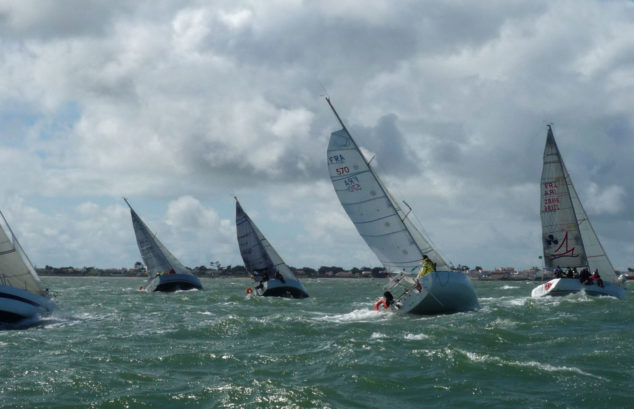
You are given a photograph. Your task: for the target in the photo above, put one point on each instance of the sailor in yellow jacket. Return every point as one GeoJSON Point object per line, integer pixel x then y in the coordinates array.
{"type": "Point", "coordinates": [428, 267]}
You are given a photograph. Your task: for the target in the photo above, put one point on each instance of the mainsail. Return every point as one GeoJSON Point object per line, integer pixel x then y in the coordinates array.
{"type": "Point", "coordinates": [156, 256]}
{"type": "Point", "coordinates": [387, 230]}
{"type": "Point", "coordinates": [15, 268]}
{"type": "Point", "coordinates": [258, 254]}
{"type": "Point", "coordinates": [568, 237]}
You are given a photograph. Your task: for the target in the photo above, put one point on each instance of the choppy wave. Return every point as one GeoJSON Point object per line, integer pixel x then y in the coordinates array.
{"type": "Point", "coordinates": [218, 348]}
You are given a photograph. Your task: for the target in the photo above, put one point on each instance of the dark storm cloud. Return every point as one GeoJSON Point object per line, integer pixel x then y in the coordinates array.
{"type": "Point", "coordinates": [50, 20]}
{"type": "Point", "coordinates": [387, 142]}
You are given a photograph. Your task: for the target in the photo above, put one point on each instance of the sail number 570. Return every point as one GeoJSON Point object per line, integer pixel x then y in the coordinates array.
{"type": "Point", "coordinates": [343, 170]}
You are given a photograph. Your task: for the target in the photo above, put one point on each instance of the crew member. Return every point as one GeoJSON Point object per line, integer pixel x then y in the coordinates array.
{"type": "Point", "coordinates": [584, 277]}
{"type": "Point", "coordinates": [597, 278]}
{"type": "Point", "coordinates": [428, 267]}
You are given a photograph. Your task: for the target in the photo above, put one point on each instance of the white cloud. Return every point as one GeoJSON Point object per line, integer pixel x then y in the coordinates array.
{"type": "Point", "coordinates": [188, 103]}
{"type": "Point", "coordinates": [609, 200]}
{"type": "Point", "coordinates": [237, 19]}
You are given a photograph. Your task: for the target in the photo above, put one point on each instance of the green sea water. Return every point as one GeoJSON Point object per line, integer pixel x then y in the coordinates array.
{"type": "Point", "coordinates": [109, 345]}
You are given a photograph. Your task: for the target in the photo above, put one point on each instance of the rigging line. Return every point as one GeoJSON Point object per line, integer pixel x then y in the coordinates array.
{"type": "Point", "coordinates": [323, 87]}
{"type": "Point", "coordinates": [431, 242]}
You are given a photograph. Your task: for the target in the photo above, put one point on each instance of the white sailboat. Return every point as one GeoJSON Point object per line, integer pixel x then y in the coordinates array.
{"type": "Point", "coordinates": [22, 298]}
{"type": "Point", "coordinates": [392, 236]}
{"type": "Point", "coordinates": [274, 277]}
{"type": "Point", "coordinates": [568, 237]}
{"type": "Point", "coordinates": [165, 272]}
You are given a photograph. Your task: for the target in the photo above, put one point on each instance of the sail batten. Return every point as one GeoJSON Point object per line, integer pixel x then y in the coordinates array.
{"type": "Point", "coordinates": [378, 218]}
{"type": "Point", "coordinates": [568, 237]}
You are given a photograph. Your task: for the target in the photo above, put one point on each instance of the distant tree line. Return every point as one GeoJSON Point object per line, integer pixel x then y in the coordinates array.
{"type": "Point", "coordinates": [216, 270]}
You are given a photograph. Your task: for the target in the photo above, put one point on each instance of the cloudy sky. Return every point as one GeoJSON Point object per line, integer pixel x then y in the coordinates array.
{"type": "Point", "coordinates": [180, 105]}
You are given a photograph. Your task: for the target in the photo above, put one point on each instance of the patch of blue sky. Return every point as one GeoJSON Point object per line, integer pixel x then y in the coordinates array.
{"type": "Point", "coordinates": [62, 204]}
{"type": "Point", "coordinates": [61, 121]}
{"type": "Point", "coordinates": [19, 119]}
{"type": "Point", "coordinates": [16, 118]}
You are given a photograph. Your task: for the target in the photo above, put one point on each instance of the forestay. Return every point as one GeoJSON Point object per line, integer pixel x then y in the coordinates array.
{"type": "Point", "coordinates": [568, 237]}
{"type": "Point", "coordinates": [15, 268]}
{"type": "Point", "coordinates": [258, 254]}
{"type": "Point", "coordinates": [397, 243]}
{"type": "Point", "coordinates": [156, 256]}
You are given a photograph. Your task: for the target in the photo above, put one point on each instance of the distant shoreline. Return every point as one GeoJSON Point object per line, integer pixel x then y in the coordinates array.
{"type": "Point", "coordinates": [303, 273]}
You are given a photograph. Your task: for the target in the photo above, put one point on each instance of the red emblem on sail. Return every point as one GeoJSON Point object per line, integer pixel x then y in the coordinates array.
{"type": "Point", "coordinates": [547, 286]}
{"type": "Point", "coordinates": [565, 251]}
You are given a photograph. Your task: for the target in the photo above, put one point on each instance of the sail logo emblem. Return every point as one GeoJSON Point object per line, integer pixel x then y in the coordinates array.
{"type": "Point", "coordinates": [547, 286]}
{"type": "Point", "coordinates": [551, 240]}
{"type": "Point", "coordinates": [563, 250]}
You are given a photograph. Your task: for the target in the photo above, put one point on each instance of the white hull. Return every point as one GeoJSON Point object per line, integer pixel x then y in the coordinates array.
{"type": "Point", "coordinates": [565, 286]}
{"type": "Point", "coordinates": [17, 305]}
{"type": "Point", "coordinates": [442, 292]}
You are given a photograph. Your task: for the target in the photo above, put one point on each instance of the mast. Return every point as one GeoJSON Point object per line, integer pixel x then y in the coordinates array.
{"type": "Point", "coordinates": [397, 209]}
{"type": "Point", "coordinates": [352, 139]}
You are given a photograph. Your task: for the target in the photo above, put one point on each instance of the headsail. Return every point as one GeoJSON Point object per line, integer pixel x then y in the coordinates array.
{"type": "Point", "coordinates": [258, 254]}
{"type": "Point", "coordinates": [15, 268]}
{"type": "Point", "coordinates": [387, 230]}
{"type": "Point", "coordinates": [568, 237]}
{"type": "Point", "coordinates": [156, 256]}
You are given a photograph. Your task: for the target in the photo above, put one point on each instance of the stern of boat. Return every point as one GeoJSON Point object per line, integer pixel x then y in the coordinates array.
{"type": "Point", "coordinates": [442, 292]}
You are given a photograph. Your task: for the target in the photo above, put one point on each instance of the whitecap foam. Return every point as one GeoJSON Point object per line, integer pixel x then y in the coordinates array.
{"type": "Point", "coordinates": [362, 315]}
{"type": "Point", "coordinates": [415, 337]}
{"type": "Point", "coordinates": [530, 364]}
{"type": "Point", "coordinates": [501, 323]}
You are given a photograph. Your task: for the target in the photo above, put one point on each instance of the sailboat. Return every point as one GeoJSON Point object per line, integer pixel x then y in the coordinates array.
{"type": "Point", "coordinates": [22, 299]}
{"type": "Point", "coordinates": [274, 277]}
{"type": "Point", "coordinates": [568, 237]}
{"type": "Point", "coordinates": [165, 272]}
{"type": "Point", "coordinates": [392, 236]}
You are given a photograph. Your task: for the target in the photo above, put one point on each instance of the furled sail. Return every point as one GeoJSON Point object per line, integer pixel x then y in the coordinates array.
{"type": "Point", "coordinates": [156, 256]}
{"type": "Point", "coordinates": [15, 268]}
{"type": "Point", "coordinates": [568, 237]}
{"type": "Point", "coordinates": [258, 254]}
{"type": "Point", "coordinates": [393, 238]}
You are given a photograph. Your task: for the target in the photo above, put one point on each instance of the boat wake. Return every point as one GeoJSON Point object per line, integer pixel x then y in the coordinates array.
{"type": "Point", "coordinates": [361, 315]}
